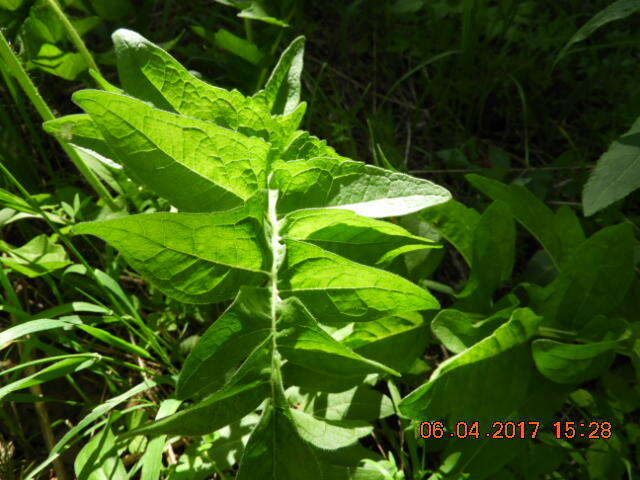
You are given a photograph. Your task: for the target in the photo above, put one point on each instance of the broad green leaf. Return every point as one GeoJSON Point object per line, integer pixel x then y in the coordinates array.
{"type": "Point", "coordinates": [282, 91]}
{"type": "Point", "coordinates": [569, 229]}
{"type": "Point", "coordinates": [616, 11]}
{"type": "Point", "coordinates": [211, 414]}
{"type": "Point", "coordinates": [301, 341]}
{"type": "Point", "coordinates": [169, 152]}
{"type": "Point", "coordinates": [617, 172]}
{"type": "Point", "coordinates": [366, 190]}
{"type": "Point", "coordinates": [329, 434]}
{"type": "Point", "coordinates": [494, 242]}
{"type": "Point", "coordinates": [456, 223]}
{"type": "Point", "coordinates": [151, 74]}
{"type": "Point", "coordinates": [231, 338]}
{"type": "Point", "coordinates": [488, 380]}
{"type": "Point", "coordinates": [334, 289]}
{"type": "Point", "coordinates": [361, 239]}
{"type": "Point", "coordinates": [36, 258]}
{"type": "Point", "coordinates": [534, 215]}
{"type": "Point", "coordinates": [395, 341]}
{"type": "Point", "coordinates": [571, 363]}
{"type": "Point", "coordinates": [357, 403]}
{"type": "Point", "coordinates": [315, 381]}
{"type": "Point", "coordinates": [99, 460]}
{"type": "Point", "coordinates": [594, 280]}
{"type": "Point", "coordinates": [195, 258]}
{"type": "Point", "coordinates": [276, 450]}
{"type": "Point", "coordinates": [458, 331]}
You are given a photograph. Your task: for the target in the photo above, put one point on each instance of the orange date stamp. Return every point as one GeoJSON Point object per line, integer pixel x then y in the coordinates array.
{"type": "Point", "coordinates": [563, 430]}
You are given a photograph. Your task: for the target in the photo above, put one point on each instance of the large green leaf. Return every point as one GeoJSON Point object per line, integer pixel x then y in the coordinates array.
{"type": "Point", "coordinates": [361, 239]}
{"type": "Point", "coordinates": [357, 403]}
{"type": "Point", "coordinates": [196, 165]}
{"type": "Point", "coordinates": [617, 173]}
{"type": "Point", "coordinates": [217, 356]}
{"type": "Point", "coordinates": [282, 91]}
{"type": "Point", "coordinates": [458, 331]}
{"type": "Point", "coordinates": [302, 342]}
{"type": "Point", "coordinates": [329, 434]}
{"type": "Point", "coordinates": [488, 380]}
{"type": "Point", "coordinates": [337, 290]}
{"type": "Point", "coordinates": [494, 244]}
{"type": "Point", "coordinates": [456, 223]}
{"type": "Point", "coordinates": [223, 408]}
{"type": "Point", "coordinates": [364, 189]}
{"type": "Point", "coordinates": [534, 215]}
{"type": "Point", "coordinates": [572, 363]}
{"type": "Point", "coordinates": [275, 450]}
{"type": "Point", "coordinates": [594, 280]}
{"type": "Point", "coordinates": [149, 73]}
{"type": "Point", "coordinates": [195, 258]}
{"type": "Point", "coordinates": [395, 341]}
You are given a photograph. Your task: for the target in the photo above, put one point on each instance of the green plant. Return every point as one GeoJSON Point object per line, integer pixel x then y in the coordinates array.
{"type": "Point", "coordinates": [271, 217]}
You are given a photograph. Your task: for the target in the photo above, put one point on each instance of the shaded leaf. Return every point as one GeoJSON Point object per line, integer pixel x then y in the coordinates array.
{"type": "Point", "coordinates": [195, 258]}
{"type": "Point", "coordinates": [488, 380]}
{"type": "Point", "coordinates": [334, 289]}
{"type": "Point", "coordinates": [275, 450]}
{"type": "Point", "coordinates": [617, 172]}
{"type": "Point", "coordinates": [366, 190]}
{"type": "Point", "coordinates": [361, 239]}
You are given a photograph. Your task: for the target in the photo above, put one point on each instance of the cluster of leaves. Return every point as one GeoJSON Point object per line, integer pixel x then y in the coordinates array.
{"type": "Point", "coordinates": [272, 217]}
{"type": "Point", "coordinates": [330, 317]}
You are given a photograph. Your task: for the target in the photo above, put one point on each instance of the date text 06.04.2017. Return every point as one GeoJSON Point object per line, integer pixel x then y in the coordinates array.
{"type": "Point", "coordinates": [565, 429]}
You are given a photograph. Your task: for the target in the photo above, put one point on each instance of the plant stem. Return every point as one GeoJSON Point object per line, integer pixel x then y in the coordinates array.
{"type": "Point", "coordinates": [74, 36]}
{"type": "Point", "coordinates": [277, 250]}
{"type": "Point", "coordinates": [15, 67]}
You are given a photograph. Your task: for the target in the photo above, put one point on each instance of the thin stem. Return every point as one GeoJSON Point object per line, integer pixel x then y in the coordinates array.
{"type": "Point", "coordinates": [277, 249]}
{"type": "Point", "coordinates": [15, 67]}
{"type": "Point", "coordinates": [74, 36]}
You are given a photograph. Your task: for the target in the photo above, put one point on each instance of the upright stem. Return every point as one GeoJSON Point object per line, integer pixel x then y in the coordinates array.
{"type": "Point", "coordinates": [15, 67]}
{"type": "Point", "coordinates": [74, 36]}
{"type": "Point", "coordinates": [278, 252]}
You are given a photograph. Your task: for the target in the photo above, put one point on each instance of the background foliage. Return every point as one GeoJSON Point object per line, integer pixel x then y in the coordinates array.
{"type": "Point", "coordinates": [525, 111]}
